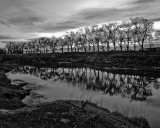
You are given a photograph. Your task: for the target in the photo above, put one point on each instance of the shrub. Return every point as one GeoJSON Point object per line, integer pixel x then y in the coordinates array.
{"type": "Point", "coordinates": [2, 51]}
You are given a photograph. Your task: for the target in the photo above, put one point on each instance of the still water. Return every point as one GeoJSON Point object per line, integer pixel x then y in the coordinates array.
{"type": "Point", "coordinates": [130, 95]}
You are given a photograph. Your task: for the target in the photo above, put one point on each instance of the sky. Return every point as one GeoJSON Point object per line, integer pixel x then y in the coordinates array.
{"type": "Point", "coordinates": [25, 19]}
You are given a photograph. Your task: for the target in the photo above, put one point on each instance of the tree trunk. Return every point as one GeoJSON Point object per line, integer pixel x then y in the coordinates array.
{"type": "Point", "coordinates": [128, 45]}
{"type": "Point", "coordinates": [62, 48]}
{"type": "Point", "coordinates": [46, 50]}
{"type": "Point", "coordinates": [22, 50]}
{"type": "Point", "coordinates": [114, 44]}
{"type": "Point", "coordinates": [103, 48]}
{"type": "Point", "coordinates": [120, 45]}
{"type": "Point", "coordinates": [52, 50]}
{"type": "Point", "coordinates": [121, 48]}
{"type": "Point", "coordinates": [68, 48]}
{"type": "Point", "coordinates": [89, 47]}
{"type": "Point", "coordinates": [93, 48]}
{"type": "Point", "coordinates": [134, 46]}
{"type": "Point", "coordinates": [108, 46]}
{"type": "Point", "coordinates": [98, 46]}
{"type": "Point", "coordinates": [142, 45]}
{"type": "Point", "coordinates": [134, 43]}
{"type": "Point", "coordinates": [71, 48]}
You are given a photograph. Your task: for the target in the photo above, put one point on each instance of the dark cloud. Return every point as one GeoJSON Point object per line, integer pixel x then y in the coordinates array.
{"type": "Point", "coordinates": [142, 2]}
{"type": "Point", "coordinates": [2, 37]}
{"type": "Point", "coordinates": [156, 19]}
{"type": "Point", "coordinates": [145, 1]}
{"type": "Point", "coordinates": [98, 14]}
{"type": "Point", "coordinates": [25, 20]}
{"type": "Point", "coordinates": [70, 22]}
{"type": "Point", "coordinates": [4, 23]}
{"type": "Point", "coordinates": [56, 27]}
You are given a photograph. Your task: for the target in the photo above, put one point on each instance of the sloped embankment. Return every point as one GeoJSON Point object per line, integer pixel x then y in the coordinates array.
{"type": "Point", "coordinates": [10, 96]}
{"type": "Point", "coordinates": [67, 114]}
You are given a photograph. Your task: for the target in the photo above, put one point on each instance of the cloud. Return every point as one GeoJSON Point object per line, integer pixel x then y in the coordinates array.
{"type": "Point", "coordinates": [4, 23]}
{"type": "Point", "coordinates": [22, 18]}
{"type": "Point", "coordinates": [156, 19]}
{"type": "Point", "coordinates": [5, 37]}
{"type": "Point", "coordinates": [60, 26]}
{"type": "Point", "coordinates": [25, 20]}
{"type": "Point", "coordinates": [145, 1]}
{"type": "Point", "coordinates": [98, 14]}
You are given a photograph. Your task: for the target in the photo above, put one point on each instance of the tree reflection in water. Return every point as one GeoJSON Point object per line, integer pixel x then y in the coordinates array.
{"type": "Point", "coordinates": [136, 88]}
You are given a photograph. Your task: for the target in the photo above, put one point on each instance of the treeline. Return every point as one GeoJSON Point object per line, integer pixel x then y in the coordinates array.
{"type": "Point", "coordinates": [124, 36]}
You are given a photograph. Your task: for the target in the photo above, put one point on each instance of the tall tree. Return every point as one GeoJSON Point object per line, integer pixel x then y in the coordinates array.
{"type": "Point", "coordinates": [53, 43]}
{"type": "Point", "coordinates": [121, 37]}
{"type": "Point", "coordinates": [143, 28]}
{"type": "Point", "coordinates": [67, 40]}
{"type": "Point", "coordinates": [97, 36]}
{"type": "Point", "coordinates": [87, 32]}
{"type": "Point", "coordinates": [107, 32]}
{"type": "Point", "coordinates": [61, 43]}
{"type": "Point", "coordinates": [113, 30]}
{"type": "Point", "coordinates": [43, 42]}
{"type": "Point", "coordinates": [10, 46]}
{"type": "Point", "coordinates": [127, 28]}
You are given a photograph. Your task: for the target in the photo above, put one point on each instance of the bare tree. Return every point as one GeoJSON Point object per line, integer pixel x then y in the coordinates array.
{"type": "Point", "coordinates": [52, 43]}
{"type": "Point", "coordinates": [107, 32]}
{"type": "Point", "coordinates": [121, 37]}
{"type": "Point", "coordinates": [67, 40]}
{"type": "Point", "coordinates": [143, 28]}
{"type": "Point", "coordinates": [61, 43]}
{"type": "Point", "coordinates": [10, 46]}
{"type": "Point", "coordinates": [127, 28]}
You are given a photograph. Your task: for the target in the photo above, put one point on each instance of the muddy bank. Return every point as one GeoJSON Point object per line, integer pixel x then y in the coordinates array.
{"type": "Point", "coordinates": [68, 114]}
{"type": "Point", "coordinates": [137, 63]}
{"type": "Point", "coordinates": [10, 95]}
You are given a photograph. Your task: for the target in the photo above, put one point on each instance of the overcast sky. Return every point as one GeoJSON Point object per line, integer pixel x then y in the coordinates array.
{"type": "Point", "coordinates": [24, 19]}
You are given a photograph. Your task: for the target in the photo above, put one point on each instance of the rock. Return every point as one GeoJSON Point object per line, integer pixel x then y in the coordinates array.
{"type": "Point", "coordinates": [64, 120]}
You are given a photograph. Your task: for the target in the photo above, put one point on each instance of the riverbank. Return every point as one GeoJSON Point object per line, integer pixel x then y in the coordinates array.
{"type": "Point", "coordinates": [137, 63]}
{"type": "Point", "coordinates": [10, 95]}
{"type": "Point", "coordinates": [68, 114]}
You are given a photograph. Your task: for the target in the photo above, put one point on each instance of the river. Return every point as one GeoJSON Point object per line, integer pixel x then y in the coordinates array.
{"type": "Point", "coordinates": [128, 94]}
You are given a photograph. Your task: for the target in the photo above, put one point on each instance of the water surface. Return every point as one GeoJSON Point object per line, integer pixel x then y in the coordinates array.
{"type": "Point", "coordinates": [131, 95]}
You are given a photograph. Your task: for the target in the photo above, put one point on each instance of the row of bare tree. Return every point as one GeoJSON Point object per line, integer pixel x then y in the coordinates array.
{"type": "Point", "coordinates": [128, 35]}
